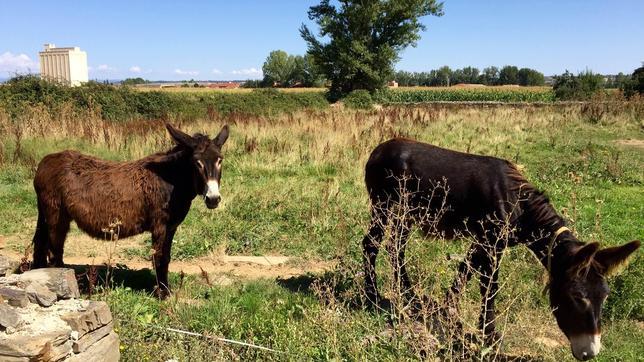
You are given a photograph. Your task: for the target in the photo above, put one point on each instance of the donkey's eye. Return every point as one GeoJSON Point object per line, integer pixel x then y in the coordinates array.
{"type": "Point", "coordinates": [219, 161]}
{"type": "Point", "coordinates": [200, 164]}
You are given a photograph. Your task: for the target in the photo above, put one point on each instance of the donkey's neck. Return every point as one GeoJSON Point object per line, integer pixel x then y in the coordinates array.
{"type": "Point", "coordinates": [552, 249]}
{"type": "Point", "coordinates": [541, 229]}
{"type": "Point", "coordinates": [175, 168]}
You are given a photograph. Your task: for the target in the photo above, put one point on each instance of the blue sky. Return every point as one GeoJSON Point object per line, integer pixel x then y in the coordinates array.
{"type": "Point", "coordinates": [231, 39]}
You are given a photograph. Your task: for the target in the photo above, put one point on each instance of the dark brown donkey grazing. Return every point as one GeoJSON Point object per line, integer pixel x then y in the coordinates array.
{"type": "Point", "coordinates": [467, 195]}
{"type": "Point", "coordinates": [151, 194]}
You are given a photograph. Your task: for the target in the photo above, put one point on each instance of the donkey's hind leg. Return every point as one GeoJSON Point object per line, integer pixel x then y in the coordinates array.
{"type": "Point", "coordinates": [402, 229]}
{"type": "Point", "coordinates": [58, 229]}
{"type": "Point", "coordinates": [370, 248]}
{"type": "Point", "coordinates": [57, 238]}
{"type": "Point", "coordinates": [40, 240]}
{"type": "Point", "coordinates": [473, 260]}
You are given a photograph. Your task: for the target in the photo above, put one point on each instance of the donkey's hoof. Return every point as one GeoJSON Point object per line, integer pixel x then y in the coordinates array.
{"type": "Point", "coordinates": [378, 303]}
{"type": "Point", "coordinates": [492, 338]}
{"type": "Point", "coordinates": [161, 292]}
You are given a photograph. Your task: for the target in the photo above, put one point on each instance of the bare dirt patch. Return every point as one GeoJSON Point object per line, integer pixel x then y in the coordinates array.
{"type": "Point", "coordinates": [630, 143]}
{"type": "Point", "coordinates": [77, 244]}
{"type": "Point", "coordinates": [81, 249]}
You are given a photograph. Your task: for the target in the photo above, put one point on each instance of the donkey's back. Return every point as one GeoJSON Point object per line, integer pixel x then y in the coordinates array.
{"type": "Point", "coordinates": [465, 186]}
{"type": "Point", "coordinates": [95, 193]}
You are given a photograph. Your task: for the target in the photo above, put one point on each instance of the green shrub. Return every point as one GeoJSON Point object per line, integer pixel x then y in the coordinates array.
{"type": "Point", "coordinates": [634, 84]}
{"type": "Point", "coordinates": [581, 87]}
{"type": "Point", "coordinates": [359, 99]}
{"type": "Point", "coordinates": [125, 103]}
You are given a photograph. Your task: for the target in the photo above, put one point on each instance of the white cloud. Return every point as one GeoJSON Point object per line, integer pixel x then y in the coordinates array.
{"type": "Point", "coordinates": [10, 62]}
{"type": "Point", "coordinates": [102, 68]}
{"type": "Point", "coordinates": [216, 71]}
{"type": "Point", "coordinates": [248, 72]}
{"type": "Point", "coordinates": [135, 69]}
{"type": "Point", "coordinates": [186, 72]}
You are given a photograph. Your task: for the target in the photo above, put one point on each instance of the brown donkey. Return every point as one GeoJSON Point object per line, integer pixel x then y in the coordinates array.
{"type": "Point", "coordinates": [151, 194]}
{"type": "Point", "coordinates": [467, 195]}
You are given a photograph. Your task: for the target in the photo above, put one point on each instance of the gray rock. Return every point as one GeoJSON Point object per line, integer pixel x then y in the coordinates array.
{"type": "Point", "coordinates": [9, 318]}
{"type": "Point", "coordinates": [7, 266]}
{"type": "Point", "coordinates": [49, 346]}
{"type": "Point", "coordinates": [105, 350]}
{"type": "Point", "coordinates": [90, 338]}
{"type": "Point", "coordinates": [11, 279]}
{"type": "Point", "coordinates": [40, 294]}
{"type": "Point", "coordinates": [59, 352]}
{"type": "Point", "coordinates": [14, 359]}
{"type": "Point", "coordinates": [61, 281]}
{"type": "Point", "coordinates": [14, 296]}
{"type": "Point", "coordinates": [95, 316]}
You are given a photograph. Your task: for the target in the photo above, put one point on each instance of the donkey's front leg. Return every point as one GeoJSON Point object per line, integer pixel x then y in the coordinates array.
{"type": "Point", "coordinates": [489, 287]}
{"type": "Point", "coordinates": [370, 248]}
{"type": "Point", "coordinates": [162, 242]}
{"type": "Point", "coordinates": [473, 260]}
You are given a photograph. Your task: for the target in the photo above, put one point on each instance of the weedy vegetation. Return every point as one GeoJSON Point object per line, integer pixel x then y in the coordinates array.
{"type": "Point", "coordinates": [293, 185]}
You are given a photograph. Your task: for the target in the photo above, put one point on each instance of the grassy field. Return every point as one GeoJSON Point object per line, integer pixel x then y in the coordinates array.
{"type": "Point", "coordinates": [293, 186]}
{"type": "Point", "coordinates": [458, 93]}
{"type": "Point", "coordinates": [470, 93]}
{"type": "Point", "coordinates": [217, 90]}
{"type": "Point", "coordinates": [405, 95]}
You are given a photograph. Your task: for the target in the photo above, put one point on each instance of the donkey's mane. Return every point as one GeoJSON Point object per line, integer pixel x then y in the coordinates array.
{"type": "Point", "coordinates": [534, 202]}
{"type": "Point", "coordinates": [171, 155]}
{"type": "Point", "coordinates": [176, 152]}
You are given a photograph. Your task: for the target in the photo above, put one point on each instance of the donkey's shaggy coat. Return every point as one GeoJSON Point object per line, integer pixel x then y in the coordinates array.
{"type": "Point", "coordinates": [125, 198]}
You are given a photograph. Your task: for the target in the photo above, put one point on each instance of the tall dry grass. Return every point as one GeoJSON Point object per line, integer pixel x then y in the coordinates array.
{"type": "Point", "coordinates": [336, 135]}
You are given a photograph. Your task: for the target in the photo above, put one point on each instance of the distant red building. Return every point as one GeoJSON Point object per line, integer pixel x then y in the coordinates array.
{"type": "Point", "coordinates": [226, 85]}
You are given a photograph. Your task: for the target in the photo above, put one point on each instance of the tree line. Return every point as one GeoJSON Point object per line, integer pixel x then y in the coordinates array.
{"type": "Point", "coordinates": [445, 76]}
{"type": "Point", "coordinates": [284, 70]}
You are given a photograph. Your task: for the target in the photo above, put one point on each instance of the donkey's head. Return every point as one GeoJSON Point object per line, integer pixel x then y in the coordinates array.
{"type": "Point", "coordinates": [206, 161]}
{"type": "Point", "coordinates": [578, 290]}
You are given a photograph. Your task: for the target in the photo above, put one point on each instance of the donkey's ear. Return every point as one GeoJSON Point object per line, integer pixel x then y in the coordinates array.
{"type": "Point", "coordinates": [582, 256]}
{"type": "Point", "coordinates": [612, 259]}
{"type": "Point", "coordinates": [222, 136]}
{"type": "Point", "coordinates": [179, 137]}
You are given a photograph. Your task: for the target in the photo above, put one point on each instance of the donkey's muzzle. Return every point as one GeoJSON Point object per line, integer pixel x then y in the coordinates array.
{"type": "Point", "coordinates": [585, 346]}
{"type": "Point", "coordinates": [212, 202]}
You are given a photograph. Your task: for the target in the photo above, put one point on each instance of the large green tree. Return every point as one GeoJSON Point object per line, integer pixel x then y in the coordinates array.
{"type": "Point", "coordinates": [509, 75]}
{"type": "Point", "coordinates": [490, 76]}
{"type": "Point", "coordinates": [278, 68]}
{"type": "Point", "coordinates": [361, 39]}
{"type": "Point", "coordinates": [638, 79]}
{"type": "Point", "coordinates": [530, 77]}
{"type": "Point", "coordinates": [284, 70]}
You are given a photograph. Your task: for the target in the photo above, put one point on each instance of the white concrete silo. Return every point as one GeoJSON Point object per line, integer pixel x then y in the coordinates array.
{"type": "Point", "coordinates": [65, 65]}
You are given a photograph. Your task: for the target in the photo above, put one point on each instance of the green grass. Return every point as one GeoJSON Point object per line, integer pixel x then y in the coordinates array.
{"type": "Point", "coordinates": [292, 185]}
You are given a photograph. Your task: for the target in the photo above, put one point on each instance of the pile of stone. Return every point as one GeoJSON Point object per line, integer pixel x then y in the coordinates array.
{"type": "Point", "coordinates": [42, 319]}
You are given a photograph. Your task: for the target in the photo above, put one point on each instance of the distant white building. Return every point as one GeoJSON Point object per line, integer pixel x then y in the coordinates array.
{"type": "Point", "coordinates": [65, 65]}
